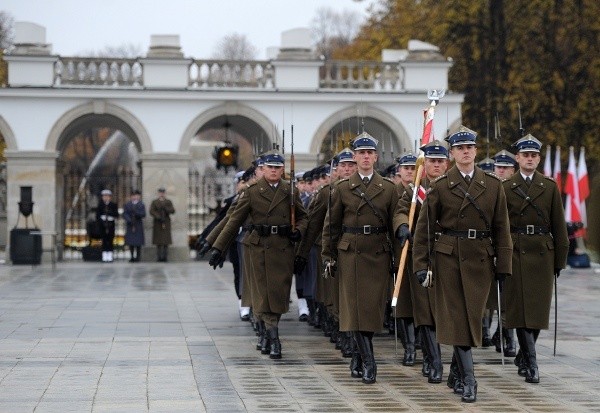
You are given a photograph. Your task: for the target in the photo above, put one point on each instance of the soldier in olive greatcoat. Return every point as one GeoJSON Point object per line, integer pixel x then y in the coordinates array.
{"type": "Point", "coordinates": [358, 241]}
{"type": "Point", "coordinates": [422, 299]}
{"type": "Point", "coordinates": [467, 208]}
{"type": "Point", "coordinates": [271, 243]}
{"type": "Point", "coordinates": [161, 210]}
{"type": "Point", "coordinates": [541, 244]}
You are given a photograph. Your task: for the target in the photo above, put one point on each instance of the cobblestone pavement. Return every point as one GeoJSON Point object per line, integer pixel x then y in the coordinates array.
{"type": "Point", "coordinates": [167, 338]}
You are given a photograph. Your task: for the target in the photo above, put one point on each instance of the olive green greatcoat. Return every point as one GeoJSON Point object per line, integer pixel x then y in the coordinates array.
{"type": "Point", "coordinates": [466, 266]}
{"type": "Point", "coordinates": [363, 260]}
{"type": "Point", "coordinates": [161, 210]}
{"type": "Point", "coordinates": [422, 299]}
{"type": "Point", "coordinates": [528, 293]}
{"type": "Point", "coordinates": [404, 306]}
{"type": "Point", "coordinates": [272, 257]}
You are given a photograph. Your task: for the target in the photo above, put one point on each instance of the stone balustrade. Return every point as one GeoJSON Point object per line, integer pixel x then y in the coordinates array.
{"type": "Point", "coordinates": [369, 75]}
{"type": "Point", "coordinates": [91, 71]}
{"type": "Point", "coordinates": [228, 73]}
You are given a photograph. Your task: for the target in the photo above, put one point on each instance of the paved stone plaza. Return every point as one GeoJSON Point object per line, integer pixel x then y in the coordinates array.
{"type": "Point", "coordinates": [167, 338]}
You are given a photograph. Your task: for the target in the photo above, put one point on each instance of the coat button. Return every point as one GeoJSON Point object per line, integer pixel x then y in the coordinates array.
{"type": "Point", "coordinates": [522, 214]}
{"type": "Point", "coordinates": [462, 215]}
{"type": "Point", "coordinates": [358, 213]}
{"type": "Point", "coordinates": [462, 259]}
{"type": "Point", "coordinates": [523, 252]}
{"type": "Point", "coordinates": [358, 252]}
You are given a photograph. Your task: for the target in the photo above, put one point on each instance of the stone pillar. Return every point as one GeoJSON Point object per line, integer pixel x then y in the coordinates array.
{"type": "Point", "coordinates": [164, 65]}
{"type": "Point", "coordinates": [37, 169]}
{"type": "Point", "coordinates": [296, 67]}
{"type": "Point", "coordinates": [170, 171]}
{"type": "Point", "coordinates": [30, 63]}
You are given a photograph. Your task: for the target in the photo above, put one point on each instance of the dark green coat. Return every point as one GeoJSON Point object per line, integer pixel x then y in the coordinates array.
{"type": "Point", "coordinates": [272, 257]}
{"type": "Point", "coordinates": [422, 299]}
{"type": "Point", "coordinates": [463, 268]}
{"type": "Point", "coordinates": [528, 293]}
{"type": "Point", "coordinates": [363, 260]}
{"type": "Point", "coordinates": [161, 211]}
{"type": "Point", "coordinates": [404, 306]}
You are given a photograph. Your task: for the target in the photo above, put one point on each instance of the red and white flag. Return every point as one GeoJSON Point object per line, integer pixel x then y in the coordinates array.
{"type": "Point", "coordinates": [572, 213]}
{"type": "Point", "coordinates": [421, 194]}
{"type": "Point", "coordinates": [557, 173]}
{"type": "Point", "coordinates": [584, 185]}
{"type": "Point", "coordinates": [428, 126]}
{"type": "Point", "coordinates": [548, 163]}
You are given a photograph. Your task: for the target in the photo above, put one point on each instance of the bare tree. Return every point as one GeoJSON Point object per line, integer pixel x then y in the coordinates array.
{"type": "Point", "coordinates": [125, 51]}
{"type": "Point", "coordinates": [235, 46]}
{"type": "Point", "coordinates": [6, 30]}
{"type": "Point", "coordinates": [331, 29]}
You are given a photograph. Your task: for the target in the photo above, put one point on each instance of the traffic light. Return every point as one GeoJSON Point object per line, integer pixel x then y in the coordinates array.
{"type": "Point", "coordinates": [226, 156]}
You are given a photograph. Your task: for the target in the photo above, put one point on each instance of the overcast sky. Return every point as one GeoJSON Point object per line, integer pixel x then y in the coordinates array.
{"type": "Point", "coordinates": [76, 26]}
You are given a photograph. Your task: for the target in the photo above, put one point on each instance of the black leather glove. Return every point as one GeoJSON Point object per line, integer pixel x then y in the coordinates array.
{"type": "Point", "coordinates": [204, 246]}
{"type": "Point", "coordinates": [500, 276]}
{"type": "Point", "coordinates": [421, 276]}
{"type": "Point", "coordinates": [557, 272]}
{"type": "Point", "coordinates": [403, 234]}
{"type": "Point", "coordinates": [215, 258]}
{"type": "Point", "coordinates": [295, 236]}
{"type": "Point", "coordinates": [299, 264]}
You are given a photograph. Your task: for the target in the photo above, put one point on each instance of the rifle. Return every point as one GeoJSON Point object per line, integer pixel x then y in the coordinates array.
{"type": "Point", "coordinates": [292, 182]}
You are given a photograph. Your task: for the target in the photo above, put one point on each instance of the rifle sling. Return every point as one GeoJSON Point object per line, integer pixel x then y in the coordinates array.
{"type": "Point", "coordinates": [527, 198]}
{"type": "Point", "coordinates": [472, 201]}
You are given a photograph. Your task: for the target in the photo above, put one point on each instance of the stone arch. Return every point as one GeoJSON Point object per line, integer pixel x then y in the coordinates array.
{"type": "Point", "coordinates": [402, 137]}
{"type": "Point", "coordinates": [99, 107]}
{"type": "Point", "coordinates": [227, 109]}
{"type": "Point", "coordinates": [8, 135]}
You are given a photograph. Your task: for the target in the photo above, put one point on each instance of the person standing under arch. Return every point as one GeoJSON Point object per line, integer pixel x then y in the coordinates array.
{"type": "Point", "coordinates": [106, 215]}
{"type": "Point", "coordinates": [133, 213]}
{"type": "Point", "coordinates": [161, 210]}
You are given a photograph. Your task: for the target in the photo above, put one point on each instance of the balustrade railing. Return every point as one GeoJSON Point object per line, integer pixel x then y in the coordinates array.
{"type": "Point", "coordinates": [98, 71]}
{"type": "Point", "coordinates": [231, 73]}
{"type": "Point", "coordinates": [346, 74]}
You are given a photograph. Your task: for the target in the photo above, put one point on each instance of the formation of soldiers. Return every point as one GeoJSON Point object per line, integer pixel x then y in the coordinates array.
{"type": "Point", "coordinates": [340, 231]}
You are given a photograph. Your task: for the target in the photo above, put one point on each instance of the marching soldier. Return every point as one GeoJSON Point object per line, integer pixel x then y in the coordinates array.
{"type": "Point", "coordinates": [435, 165]}
{"type": "Point", "coordinates": [358, 243]}
{"type": "Point", "coordinates": [504, 164]}
{"type": "Point", "coordinates": [486, 164]}
{"type": "Point", "coordinates": [468, 208]}
{"type": "Point", "coordinates": [404, 309]}
{"type": "Point", "coordinates": [271, 243]}
{"type": "Point", "coordinates": [537, 225]}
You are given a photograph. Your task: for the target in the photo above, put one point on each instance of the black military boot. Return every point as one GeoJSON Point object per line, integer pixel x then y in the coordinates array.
{"type": "Point", "coordinates": [520, 358]}
{"type": "Point", "coordinates": [465, 359]}
{"type": "Point", "coordinates": [510, 349]}
{"type": "Point", "coordinates": [454, 381]}
{"type": "Point", "coordinates": [275, 352]}
{"type": "Point", "coordinates": [388, 318]}
{"type": "Point", "coordinates": [417, 339]}
{"type": "Point", "coordinates": [310, 303]}
{"type": "Point", "coordinates": [318, 315]}
{"type": "Point", "coordinates": [265, 342]}
{"type": "Point", "coordinates": [365, 347]}
{"type": "Point", "coordinates": [356, 370]}
{"type": "Point", "coordinates": [436, 367]}
{"type": "Point", "coordinates": [260, 332]}
{"type": "Point", "coordinates": [532, 375]}
{"type": "Point", "coordinates": [496, 340]}
{"type": "Point", "coordinates": [426, 368]}
{"type": "Point", "coordinates": [409, 342]}
{"type": "Point", "coordinates": [486, 340]}
{"type": "Point", "coordinates": [347, 344]}
{"type": "Point", "coordinates": [335, 330]}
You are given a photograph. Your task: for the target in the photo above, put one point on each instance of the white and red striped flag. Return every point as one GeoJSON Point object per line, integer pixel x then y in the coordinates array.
{"type": "Point", "coordinates": [557, 173]}
{"type": "Point", "coordinates": [584, 185]}
{"type": "Point", "coordinates": [421, 194]}
{"type": "Point", "coordinates": [428, 126]}
{"type": "Point", "coordinates": [548, 163]}
{"type": "Point", "coordinates": [572, 213]}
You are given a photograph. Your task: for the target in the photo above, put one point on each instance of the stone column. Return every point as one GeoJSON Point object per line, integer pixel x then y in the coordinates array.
{"type": "Point", "coordinates": [170, 171]}
{"type": "Point", "coordinates": [37, 169]}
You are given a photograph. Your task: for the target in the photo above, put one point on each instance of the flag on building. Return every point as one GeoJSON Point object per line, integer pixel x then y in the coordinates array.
{"type": "Point", "coordinates": [572, 213]}
{"type": "Point", "coordinates": [548, 163]}
{"type": "Point", "coordinates": [583, 184]}
{"type": "Point", "coordinates": [557, 173]}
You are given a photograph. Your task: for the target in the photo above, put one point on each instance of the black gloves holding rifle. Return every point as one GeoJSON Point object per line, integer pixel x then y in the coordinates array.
{"type": "Point", "coordinates": [403, 234]}
{"type": "Point", "coordinates": [557, 272]}
{"type": "Point", "coordinates": [299, 264]}
{"type": "Point", "coordinates": [203, 247]}
{"type": "Point", "coordinates": [425, 278]}
{"type": "Point", "coordinates": [216, 258]}
{"type": "Point", "coordinates": [295, 236]}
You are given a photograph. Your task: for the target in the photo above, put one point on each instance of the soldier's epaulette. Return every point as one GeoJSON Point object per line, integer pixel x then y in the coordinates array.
{"type": "Point", "coordinates": [439, 178]}
{"type": "Point", "coordinates": [341, 180]}
{"type": "Point", "coordinates": [493, 175]}
{"type": "Point", "coordinates": [549, 178]}
{"type": "Point", "coordinates": [388, 179]}
{"type": "Point", "coordinates": [252, 184]}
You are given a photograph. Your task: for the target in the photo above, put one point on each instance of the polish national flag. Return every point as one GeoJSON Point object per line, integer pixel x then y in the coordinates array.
{"type": "Point", "coordinates": [583, 184]}
{"type": "Point", "coordinates": [557, 173]}
{"type": "Point", "coordinates": [421, 194]}
{"type": "Point", "coordinates": [428, 126]}
{"type": "Point", "coordinates": [548, 163]}
{"type": "Point", "coordinates": [572, 213]}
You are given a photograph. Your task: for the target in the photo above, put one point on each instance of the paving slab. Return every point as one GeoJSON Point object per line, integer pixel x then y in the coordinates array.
{"type": "Point", "coordinates": [166, 337]}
